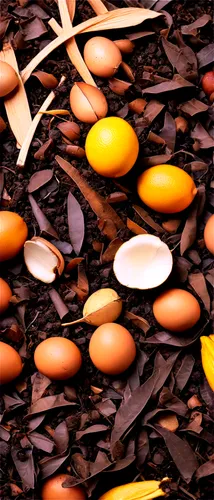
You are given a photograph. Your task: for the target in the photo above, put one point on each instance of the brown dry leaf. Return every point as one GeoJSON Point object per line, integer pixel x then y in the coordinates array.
{"type": "Point", "coordinates": [151, 161]}
{"type": "Point", "coordinates": [39, 384]}
{"type": "Point", "coordinates": [2, 125]}
{"type": "Point", "coordinates": [55, 112]}
{"type": "Point", "coordinates": [196, 166]}
{"type": "Point", "coordinates": [138, 321]}
{"type": "Point", "coordinates": [206, 469]}
{"type": "Point", "coordinates": [97, 203]}
{"type": "Point", "coordinates": [205, 56]}
{"type": "Point", "coordinates": [190, 229]}
{"type": "Point", "coordinates": [182, 58]}
{"type": "Point", "coordinates": [123, 112]}
{"type": "Point", "coordinates": [39, 179]}
{"type": "Point", "coordinates": [81, 466]}
{"type": "Point", "coordinates": [134, 227]}
{"type": "Point", "coordinates": [108, 228]}
{"type": "Point", "coordinates": [32, 28]}
{"type": "Point", "coordinates": [76, 223]}
{"type": "Point", "coordinates": [91, 430]}
{"type": "Point", "coordinates": [119, 87]}
{"type": "Point", "coordinates": [44, 225]}
{"type": "Point", "coordinates": [4, 23]}
{"type": "Point", "coordinates": [153, 109]}
{"type": "Point", "coordinates": [73, 264]}
{"type": "Point", "coordinates": [70, 130]}
{"type": "Point", "coordinates": [192, 29]}
{"type": "Point", "coordinates": [44, 150]}
{"type": "Point", "coordinates": [111, 250]}
{"type": "Point", "coordinates": [177, 83]}
{"type": "Point", "coordinates": [140, 34]}
{"type": "Point", "coordinates": [58, 303]}
{"type": "Point", "coordinates": [73, 150]}
{"type": "Point", "coordinates": [168, 132]}
{"type": "Point", "coordinates": [199, 133]}
{"type": "Point", "coordinates": [193, 107]}
{"type": "Point", "coordinates": [15, 490]}
{"type": "Point", "coordinates": [116, 197]}
{"type": "Point", "coordinates": [138, 105]}
{"type": "Point", "coordinates": [22, 455]}
{"type": "Point", "coordinates": [82, 287]}
{"type": "Point", "coordinates": [198, 283]}
{"type": "Point", "coordinates": [171, 225]}
{"type": "Point", "coordinates": [46, 79]}
{"type": "Point", "coordinates": [147, 218]}
{"type": "Point", "coordinates": [128, 71]}
{"type": "Point", "coordinates": [152, 137]}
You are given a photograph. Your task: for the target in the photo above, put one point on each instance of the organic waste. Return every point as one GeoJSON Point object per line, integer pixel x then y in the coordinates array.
{"type": "Point", "coordinates": [106, 250]}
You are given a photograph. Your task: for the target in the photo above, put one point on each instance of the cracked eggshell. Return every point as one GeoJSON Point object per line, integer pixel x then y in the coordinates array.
{"type": "Point", "coordinates": [143, 262]}
{"type": "Point", "coordinates": [88, 103]}
{"type": "Point", "coordinates": [43, 260]}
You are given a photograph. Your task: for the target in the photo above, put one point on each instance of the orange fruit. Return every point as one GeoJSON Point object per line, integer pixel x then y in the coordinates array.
{"type": "Point", "coordinates": [53, 489]}
{"type": "Point", "coordinates": [166, 188]}
{"type": "Point", "coordinates": [13, 234]}
{"type": "Point", "coordinates": [112, 147]}
{"type": "Point", "coordinates": [5, 295]}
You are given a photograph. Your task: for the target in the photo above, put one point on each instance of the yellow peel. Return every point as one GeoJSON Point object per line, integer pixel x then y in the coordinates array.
{"type": "Point", "coordinates": [143, 490]}
{"type": "Point", "coordinates": [207, 357]}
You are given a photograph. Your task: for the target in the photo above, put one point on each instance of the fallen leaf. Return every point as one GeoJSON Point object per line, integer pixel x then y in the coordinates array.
{"type": "Point", "coordinates": [193, 107]}
{"type": "Point", "coordinates": [206, 469]}
{"type": "Point", "coordinates": [168, 132]}
{"type": "Point", "coordinates": [201, 135]}
{"type": "Point", "coordinates": [98, 204]}
{"type": "Point", "coordinates": [35, 422]}
{"type": "Point", "coordinates": [161, 4]}
{"type": "Point", "coordinates": [82, 466]}
{"type": "Point", "coordinates": [55, 112]}
{"type": "Point", "coordinates": [142, 448]}
{"type": "Point", "coordinates": [195, 423]}
{"type": "Point", "coordinates": [46, 79]}
{"type": "Point", "coordinates": [50, 465]}
{"type": "Point", "coordinates": [24, 465]}
{"type": "Point", "coordinates": [39, 179]}
{"type": "Point", "coordinates": [116, 197]}
{"type": "Point", "coordinates": [82, 281]}
{"type": "Point", "coordinates": [173, 340]}
{"type": "Point", "coordinates": [111, 250]}
{"type": "Point", "coordinates": [15, 490]}
{"type": "Point", "coordinates": [108, 228]}
{"type": "Point", "coordinates": [61, 437]}
{"type": "Point", "coordinates": [198, 283]}
{"type": "Point", "coordinates": [128, 71]}
{"type": "Point", "coordinates": [91, 430]}
{"type": "Point", "coordinates": [184, 372]}
{"type": "Point", "coordinates": [119, 87]}
{"type": "Point", "coordinates": [189, 232]}
{"type": "Point", "coordinates": [4, 23]}
{"type": "Point", "coordinates": [121, 464]}
{"type": "Point", "coordinates": [172, 402]}
{"type": "Point", "coordinates": [75, 223]}
{"type": "Point", "coordinates": [176, 83]}
{"type": "Point", "coordinates": [153, 109]}
{"type": "Point", "coordinates": [171, 225]}
{"type": "Point", "coordinates": [152, 137]}
{"type": "Point", "coordinates": [138, 321]}
{"type": "Point", "coordinates": [147, 219]}
{"type": "Point", "coordinates": [33, 28]}
{"type": "Point", "coordinates": [123, 112]}
{"type": "Point", "coordinates": [2, 125]}
{"type": "Point", "coordinates": [181, 453]}
{"type": "Point", "coordinates": [139, 34]}
{"type": "Point", "coordinates": [192, 29]}
{"type": "Point", "coordinates": [138, 105]}
{"type": "Point", "coordinates": [106, 407]}
{"type": "Point", "coordinates": [182, 58]}
{"type": "Point", "coordinates": [196, 166]}
{"type": "Point", "coordinates": [44, 225]}
{"type": "Point", "coordinates": [44, 150]}
{"type": "Point", "coordinates": [134, 227]}
{"type": "Point", "coordinates": [33, 10]}
{"type": "Point", "coordinates": [163, 367]}
{"type": "Point", "coordinates": [48, 403]}
{"type": "Point", "coordinates": [12, 402]}
{"type": "Point", "coordinates": [151, 161]}
{"type": "Point", "coordinates": [39, 383]}
{"type": "Point", "coordinates": [41, 442]}
{"type": "Point", "coordinates": [205, 56]}
{"type": "Point", "coordinates": [73, 264]}
{"type": "Point", "coordinates": [63, 246]}
{"type": "Point", "coordinates": [58, 303]}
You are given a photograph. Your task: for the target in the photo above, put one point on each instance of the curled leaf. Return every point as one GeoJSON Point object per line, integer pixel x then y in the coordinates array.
{"type": "Point", "coordinates": [75, 223]}
{"type": "Point", "coordinates": [44, 150]}
{"type": "Point", "coordinates": [134, 227]}
{"type": "Point", "coordinates": [39, 179]}
{"type": "Point", "coordinates": [193, 107]}
{"type": "Point", "coordinates": [198, 283]}
{"type": "Point", "coordinates": [46, 79]}
{"type": "Point", "coordinates": [44, 224]}
{"type": "Point", "coordinates": [168, 132]}
{"type": "Point", "coordinates": [138, 321]}
{"type": "Point", "coordinates": [119, 87]}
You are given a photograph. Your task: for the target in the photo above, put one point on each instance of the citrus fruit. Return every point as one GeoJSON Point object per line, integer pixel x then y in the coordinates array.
{"type": "Point", "coordinates": [112, 147]}
{"type": "Point", "coordinates": [166, 188]}
{"type": "Point", "coordinates": [13, 234]}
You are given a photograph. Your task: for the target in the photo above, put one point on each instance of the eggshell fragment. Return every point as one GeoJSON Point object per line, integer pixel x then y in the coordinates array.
{"type": "Point", "coordinates": [53, 489]}
{"type": "Point", "coordinates": [209, 234]}
{"type": "Point", "coordinates": [143, 262]}
{"type": "Point", "coordinates": [57, 358]}
{"type": "Point", "coordinates": [5, 296]}
{"type": "Point", "coordinates": [103, 306]}
{"type": "Point", "coordinates": [43, 260]}
{"type": "Point", "coordinates": [8, 79]}
{"type": "Point", "coordinates": [10, 363]}
{"type": "Point", "coordinates": [88, 103]}
{"type": "Point", "coordinates": [176, 310]}
{"type": "Point", "coordinates": [102, 56]}
{"type": "Point", "coordinates": [112, 348]}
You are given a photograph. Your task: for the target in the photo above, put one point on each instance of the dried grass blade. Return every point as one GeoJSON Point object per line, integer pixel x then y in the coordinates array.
{"type": "Point", "coordinates": [97, 203]}
{"type": "Point", "coordinates": [71, 4]}
{"type": "Point", "coordinates": [17, 106]}
{"type": "Point", "coordinates": [34, 124]}
{"type": "Point", "coordinates": [118, 18]}
{"type": "Point", "coordinates": [98, 6]}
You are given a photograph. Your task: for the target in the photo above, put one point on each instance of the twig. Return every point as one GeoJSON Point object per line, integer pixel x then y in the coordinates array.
{"type": "Point", "coordinates": [34, 124]}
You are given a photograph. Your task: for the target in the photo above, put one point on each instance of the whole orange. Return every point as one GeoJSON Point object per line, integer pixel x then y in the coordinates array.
{"type": "Point", "coordinates": [166, 188]}
{"type": "Point", "coordinates": [5, 295]}
{"type": "Point", "coordinates": [53, 489]}
{"type": "Point", "coordinates": [13, 234]}
{"type": "Point", "coordinates": [112, 147]}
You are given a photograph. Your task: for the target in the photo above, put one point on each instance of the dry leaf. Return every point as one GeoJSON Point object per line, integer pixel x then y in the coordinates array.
{"type": "Point", "coordinates": [44, 150]}
{"type": "Point", "coordinates": [73, 264]}
{"type": "Point", "coordinates": [108, 228]}
{"type": "Point", "coordinates": [111, 250]}
{"type": "Point", "coordinates": [44, 224]}
{"type": "Point", "coordinates": [58, 303]}
{"type": "Point", "coordinates": [76, 223]}
{"type": "Point", "coordinates": [198, 283]}
{"type": "Point", "coordinates": [152, 137]}
{"type": "Point", "coordinates": [39, 179]}
{"type": "Point", "coordinates": [73, 150]}
{"type": "Point", "coordinates": [55, 112]}
{"type": "Point", "coordinates": [117, 86]}
{"type": "Point", "coordinates": [70, 129]}
{"type": "Point", "coordinates": [33, 28]}
{"type": "Point", "coordinates": [138, 321]}
{"type": "Point", "coordinates": [192, 29]}
{"type": "Point", "coordinates": [147, 218]}
{"type": "Point", "coordinates": [128, 71]}
{"type": "Point", "coordinates": [168, 132]}
{"type": "Point", "coordinates": [205, 56]}
{"type": "Point", "coordinates": [2, 125]}
{"type": "Point", "coordinates": [134, 227]}
{"type": "Point", "coordinates": [177, 83]}
{"type": "Point", "coordinates": [138, 105]}
{"type": "Point", "coordinates": [193, 107]}
{"type": "Point", "coordinates": [199, 133]}
{"type": "Point", "coordinates": [139, 34]}
{"type": "Point", "coordinates": [46, 79]}
{"type": "Point", "coordinates": [171, 225]}
{"type": "Point", "coordinates": [116, 197]}
{"type": "Point", "coordinates": [182, 58]}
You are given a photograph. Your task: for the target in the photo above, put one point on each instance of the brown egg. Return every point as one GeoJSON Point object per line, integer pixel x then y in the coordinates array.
{"type": "Point", "coordinates": [8, 79]}
{"type": "Point", "coordinates": [53, 489]}
{"type": "Point", "coordinates": [102, 56]}
{"type": "Point", "coordinates": [176, 310]}
{"type": "Point", "coordinates": [88, 103]}
{"type": "Point", "coordinates": [209, 234]}
{"type": "Point", "coordinates": [112, 349]}
{"type": "Point", "coordinates": [58, 358]}
{"type": "Point", "coordinates": [208, 83]}
{"type": "Point", "coordinates": [5, 295]}
{"type": "Point", "coordinates": [13, 234]}
{"type": "Point", "coordinates": [10, 363]}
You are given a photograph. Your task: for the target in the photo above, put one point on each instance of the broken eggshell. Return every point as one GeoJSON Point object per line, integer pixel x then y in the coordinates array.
{"type": "Point", "coordinates": [43, 260]}
{"type": "Point", "coordinates": [143, 262]}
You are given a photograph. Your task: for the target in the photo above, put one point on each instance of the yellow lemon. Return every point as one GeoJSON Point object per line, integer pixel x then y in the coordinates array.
{"type": "Point", "coordinates": [166, 188]}
{"type": "Point", "coordinates": [112, 147]}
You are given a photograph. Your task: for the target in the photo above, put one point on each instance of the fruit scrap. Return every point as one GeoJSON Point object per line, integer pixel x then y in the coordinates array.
{"type": "Point", "coordinates": [207, 357]}
{"type": "Point", "coordinates": [143, 490]}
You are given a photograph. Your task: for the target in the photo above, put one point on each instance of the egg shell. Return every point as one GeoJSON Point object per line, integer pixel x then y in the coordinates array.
{"type": "Point", "coordinates": [8, 79]}
{"type": "Point", "coordinates": [57, 358]}
{"type": "Point", "coordinates": [13, 234]}
{"type": "Point", "coordinates": [102, 56]}
{"type": "Point", "coordinates": [88, 103]}
{"type": "Point", "coordinates": [208, 83]}
{"type": "Point", "coordinates": [176, 310]}
{"type": "Point", "coordinates": [5, 296]}
{"type": "Point", "coordinates": [10, 363]}
{"type": "Point", "coordinates": [109, 303]}
{"type": "Point", "coordinates": [209, 234]}
{"type": "Point", "coordinates": [53, 489]}
{"type": "Point", "coordinates": [112, 349]}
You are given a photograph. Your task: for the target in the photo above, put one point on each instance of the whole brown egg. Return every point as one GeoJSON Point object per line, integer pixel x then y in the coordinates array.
{"type": "Point", "coordinates": [53, 489]}
{"type": "Point", "coordinates": [176, 310]}
{"type": "Point", "coordinates": [57, 358]}
{"type": "Point", "coordinates": [10, 363]}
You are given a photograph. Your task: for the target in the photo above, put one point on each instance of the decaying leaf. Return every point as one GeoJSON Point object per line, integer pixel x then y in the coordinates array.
{"type": "Point", "coordinates": [193, 107]}
{"type": "Point", "coordinates": [91, 430]}
{"type": "Point", "coordinates": [119, 87]}
{"type": "Point", "coordinates": [192, 29]}
{"type": "Point", "coordinates": [116, 197]}
{"type": "Point", "coordinates": [46, 79]}
{"type": "Point", "coordinates": [147, 219]}
{"type": "Point", "coordinates": [44, 224]}
{"type": "Point", "coordinates": [137, 106]}
{"type": "Point", "coordinates": [39, 384]}
{"type": "Point", "coordinates": [39, 179]}
{"type": "Point", "coordinates": [168, 132]}
{"type": "Point", "coordinates": [76, 223]}
{"type": "Point", "coordinates": [177, 83]}
{"type": "Point", "coordinates": [138, 321]}
{"type": "Point", "coordinates": [61, 437]}
{"type": "Point", "coordinates": [24, 467]}
{"type": "Point", "coordinates": [184, 372]}
{"type": "Point", "coordinates": [182, 58]}
{"type": "Point", "coordinates": [173, 340]}
{"type": "Point", "coordinates": [205, 469]}
{"type": "Point", "coordinates": [44, 150]}
{"type": "Point", "coordinates": [198, 283]}
{"type": "Point", "coordinates": [41, 442]}
{"type": "Point", "coordinates": [205, 56]}
{"type": "Point", "coordinates": [200, 134]}
{"type": "Point", "coordinates": [59, 305]}
{"type": "Point", "coordinates": [33, 28]}
{"type": "Point", "coordinates": [108, 228]}
{"type": "Point", "coordinates": [48, 403]}
{"type": "Point", "coordinates": [134, 227]}
{"type": "Point", "coordinates": [50, 465]}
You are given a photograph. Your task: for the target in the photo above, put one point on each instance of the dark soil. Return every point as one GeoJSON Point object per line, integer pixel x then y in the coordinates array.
{"type": "Point", "coordinates": [41, 318]}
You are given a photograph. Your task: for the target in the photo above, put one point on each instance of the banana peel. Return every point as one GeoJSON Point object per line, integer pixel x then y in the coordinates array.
{"type": "Point", "coordinates": [143, 490]}
{"type": "Point", "coordinates": [207, 358]}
